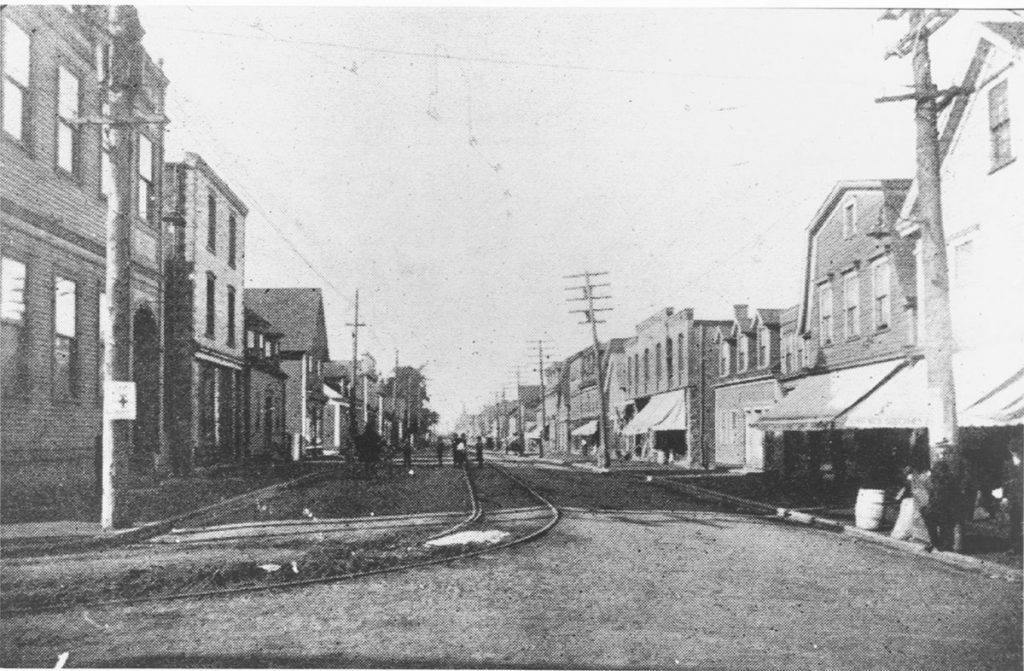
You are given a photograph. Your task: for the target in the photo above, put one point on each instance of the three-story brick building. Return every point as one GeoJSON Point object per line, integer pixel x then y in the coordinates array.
{"type": "Point", "coordinates": [54, 188]}
{"type": "Point", "coordinates": [205, 283]}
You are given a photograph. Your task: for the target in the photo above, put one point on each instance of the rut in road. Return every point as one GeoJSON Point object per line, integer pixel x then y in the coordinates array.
{"type": "Point", "coordinates": [194, 570]}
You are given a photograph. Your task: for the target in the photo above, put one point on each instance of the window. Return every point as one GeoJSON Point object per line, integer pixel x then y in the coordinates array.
{"type": "Point", "coordinates": [647, 367]}
{"type": "Point", "coordinates": [851, 305]}
{"type": "Point", "coordinates": [963, 263]}
{"type": "Point", "coordinates": [723, 363]}
{"type": "Point", "coordinates": [999, 125]}
{"type": "Point", "coordinates": [250, 338]}
{"type": "Point", "coordinates": [801, 352]}
{"type": "Point", "coordinates": [17, 55]}
{"type": "Point", "coordinates": [14, 372]}
{"type": "Point", "coordinates": [680, 356]}
{"type": "Point", "coordinates": [882, 308]}
{"type": "Point", "coordinates": [65, 341]}
{"type": "Point", "coordinates": [103, 54]}
{"type": "Point", "coordinates": [231, 316]}
{"type": "Point", "coordinates": [211, 286]}
{"type": "Point", "coordinates": [849, 217]}
{"type": "Point", "coordinates": [232, 239]}
{"type": "Point", "coordinates": [825, 313]}
{"type": "Point", "coordinates": [629, 372]}
{"type": "Point", "coordinates": [211, 222]}
{"type": "Point", "coordinates": [106, 170]}
{"type": "Point", "coordinates": [145, 176]}
{"type": "Point", "coordinates": [668, 361]}
{"type": "Point", "coordinates": [741, 354]}
{"type": "Point", "coordinates": [762, 347]}
{"type": "Point", "coordinates": [787, 357]}
{"type": "Point", "coordinates": [68, 109]}
{"type": "Point", "coordinates": [657, 365]}
{"type": "Point", "coordinates": [268, 348]}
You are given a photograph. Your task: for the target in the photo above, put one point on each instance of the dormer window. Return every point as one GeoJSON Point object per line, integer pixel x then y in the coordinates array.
{"type": "Point", "coordinates": [723, 361]}
{"type": "Point", "coordinates": [742, 354]}
{"type": "Point", "coordinates": [762, 347]}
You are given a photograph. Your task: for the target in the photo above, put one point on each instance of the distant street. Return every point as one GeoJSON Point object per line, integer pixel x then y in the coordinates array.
{"type": "Point", "coordinates": [688, 587]}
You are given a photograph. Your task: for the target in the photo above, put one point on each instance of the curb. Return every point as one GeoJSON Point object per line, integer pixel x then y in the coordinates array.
{"type": "Point", "coordinates": [139, 533]}
{"type": "Point", "coordinates": [787, 515]}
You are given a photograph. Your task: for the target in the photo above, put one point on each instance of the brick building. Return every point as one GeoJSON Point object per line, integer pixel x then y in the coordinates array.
{"type": "Point", "coordinates": [298, 313]}
{"type": "Point", "coordinates": [205, 351]}
{"type": "Point", "coordinates": [263, 391]}
{"type": "Point", "coordinates": [749, 362]}
{"type": "Point", "coordinates": [54, 186]}
{"type": "Point", "coordinates": [670, 372]}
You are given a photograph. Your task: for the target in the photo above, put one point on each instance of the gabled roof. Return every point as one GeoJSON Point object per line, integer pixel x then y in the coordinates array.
{"type": "Point", "coordinates": [297, 312]}
{"type": "Point", "coordinates": [767, 316]}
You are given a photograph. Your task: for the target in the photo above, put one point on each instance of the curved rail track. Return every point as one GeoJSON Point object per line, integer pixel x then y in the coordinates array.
{"type": "Point", "coordinates": [474, 516]}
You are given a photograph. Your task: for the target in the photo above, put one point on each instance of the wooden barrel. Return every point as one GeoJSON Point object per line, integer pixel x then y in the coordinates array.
{"type": "Point", "coordinates": [870, 508]}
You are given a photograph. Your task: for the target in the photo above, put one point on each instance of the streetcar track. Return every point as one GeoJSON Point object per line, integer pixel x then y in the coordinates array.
{"type": "Point", "coordinates": [475, 516]}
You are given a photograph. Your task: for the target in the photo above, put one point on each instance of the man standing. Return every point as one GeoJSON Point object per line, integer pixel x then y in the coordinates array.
{"type": "Point", "coordinates": [439, 445]}
{"type": "Point", "coordinates": [368, 449]}
{"type": "Point", "coordinates": [479, 452]}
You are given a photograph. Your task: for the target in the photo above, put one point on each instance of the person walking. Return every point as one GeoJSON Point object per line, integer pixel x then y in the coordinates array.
{"type": "Point", "coordinates": [460, 452]}
{"type": "Point", "coordinates": [439, 445]}
{"type": "Point", "coordinates": [368, 449]}
{"type": "Point", "coordinates": [479, 452]}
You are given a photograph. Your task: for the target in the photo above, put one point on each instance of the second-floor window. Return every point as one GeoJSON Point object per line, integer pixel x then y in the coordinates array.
{"type": "Point", "coordinates": [787, 357]}
{"type": "Point", "coordinates": [17, 57]}
{"type": "Point", "coordinates": [145, 176]}
{"type": "Point", "coordinates": [880, 290]}
{"type": "Point", "coordinates": [825, 313]}
{"type": "Point", "coordinates": [647, 367]}
{"type": "Point", "coordinates": [657, 365]}
{"type": "Point", "coordinates": [250, 338]}
{"type": "Point", "coordinates": [723, 359]}
{"type": "Point", "coordinates": [668, 361]}
{"type": "Point", "coordinates": [232, 239]}
{"type": "Point", "coordinates": [762, 347]}
{"type": "Point", "coordinates": [231, 316]}
{"type": "Point", "coordinates": [211, 222]}
{"type": "Point", "coordinates": [13, 352]}
{"type": "Point", "coordinates": [999, 125]}
{"type": "Point", "coordinates": [741, 354]}
{"type": "Point", "coordinates": [68, 110]}
{"type": "Point", "coordinates": [681, 357]}
{"type": "Point", "coordinates": [851, 304]}
{"type": "Point", "coordinates": [211, 303]}
{"type": "Point", "coordinates": [65, 339]}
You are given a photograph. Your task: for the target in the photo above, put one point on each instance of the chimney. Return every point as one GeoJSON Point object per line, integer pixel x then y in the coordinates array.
{"type": "Point", "coordinates": [741, 314]}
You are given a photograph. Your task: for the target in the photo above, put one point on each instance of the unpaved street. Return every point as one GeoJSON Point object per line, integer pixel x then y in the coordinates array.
{"type": "Point", "coordinates": [618, 589]}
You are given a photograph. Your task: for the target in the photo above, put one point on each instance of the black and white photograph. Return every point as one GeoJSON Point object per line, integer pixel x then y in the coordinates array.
{"type": "Point", "coordinates": [502, 336]}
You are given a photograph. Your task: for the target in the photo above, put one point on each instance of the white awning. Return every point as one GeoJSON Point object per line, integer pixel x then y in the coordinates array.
{"type": "Point", "coordinates": [588, 429]}
{"type": "Point", "coordinates": [664, 412]}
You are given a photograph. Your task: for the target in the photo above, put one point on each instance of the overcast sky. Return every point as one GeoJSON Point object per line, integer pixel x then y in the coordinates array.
{"type": "Point", "coordinates": [454, 164]}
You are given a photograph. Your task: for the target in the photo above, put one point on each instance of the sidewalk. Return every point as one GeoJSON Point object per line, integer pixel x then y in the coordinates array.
{"type": "Point", "coordinates": [153, 510]}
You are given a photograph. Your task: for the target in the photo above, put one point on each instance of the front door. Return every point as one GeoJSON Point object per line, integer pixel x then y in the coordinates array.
{"type": "Point", "coordinates": [754, 441]}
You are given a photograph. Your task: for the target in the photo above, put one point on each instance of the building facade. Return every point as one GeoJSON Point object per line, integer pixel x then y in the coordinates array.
{"type": "Point", "coordinates": [55, 184]}
{"type": "Point", "coordinates": [263, 395]}
{"type": "Point", "coordinates": [749, 362]}
{"type": "Point", "coordinates": [205, 352]}
{"type": "Point", "coordinates": [670, 372]}
{"type": "Point", "coordinates": [298, 313]}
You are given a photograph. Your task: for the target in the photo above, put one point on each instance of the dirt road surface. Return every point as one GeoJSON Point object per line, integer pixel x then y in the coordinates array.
{"type": "Point", "coordinates": [697, 589]}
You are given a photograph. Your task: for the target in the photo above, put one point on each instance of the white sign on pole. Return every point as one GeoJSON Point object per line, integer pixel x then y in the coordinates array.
{"type": "Point", "coordinates": [120, 400]}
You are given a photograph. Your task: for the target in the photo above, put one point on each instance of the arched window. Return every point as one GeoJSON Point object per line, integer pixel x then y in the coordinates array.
{"type": "Point", "coordinates": [657, 365]}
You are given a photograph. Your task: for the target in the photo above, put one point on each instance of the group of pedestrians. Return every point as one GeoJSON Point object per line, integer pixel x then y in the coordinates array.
{"type": "Point", "coordinates": [460, 451]}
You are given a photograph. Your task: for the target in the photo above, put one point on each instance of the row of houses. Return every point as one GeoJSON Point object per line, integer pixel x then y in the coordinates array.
{"type": "Point", "coordinates": [836, 382]}
{"type": "Point", "coordinates": [223, 372]}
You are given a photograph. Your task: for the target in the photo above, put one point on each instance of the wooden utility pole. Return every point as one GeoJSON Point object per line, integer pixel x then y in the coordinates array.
{"type": "Point", "coordinates": [119, 120]}
{"type": "Point", "coordinates": [353, 425]}
{"type": "Point", "coordinates": [522, 418]}
{"type": "Point", "coordinates": [543, 397]}
{"type": "Point", "coordinates": [590, 317]}
{"type": "Point", "coordinates": [394, 401]}
{"type": "Point", "coordinates": [943, 436]}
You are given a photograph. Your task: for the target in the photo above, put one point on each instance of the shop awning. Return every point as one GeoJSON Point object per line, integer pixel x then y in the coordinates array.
{"type": "Point", "coordinates": [588, 429]}
{"type": "Point", "coordinates": [664, 412]}
{"type": "Point", "coordinates": [817, 402]}
{"type": "Point", "coordinates": [988, 393]}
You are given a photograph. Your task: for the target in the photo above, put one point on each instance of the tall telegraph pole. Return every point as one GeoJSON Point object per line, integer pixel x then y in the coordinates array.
{"type": "Point", "coordinates": [543, 397]}
{"type": "Point", "coordinates": [590, 317]}
{"type": "Point", "coordinates": [938, 330]}
{"type": "Point", "coordinates": [353, 426]}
